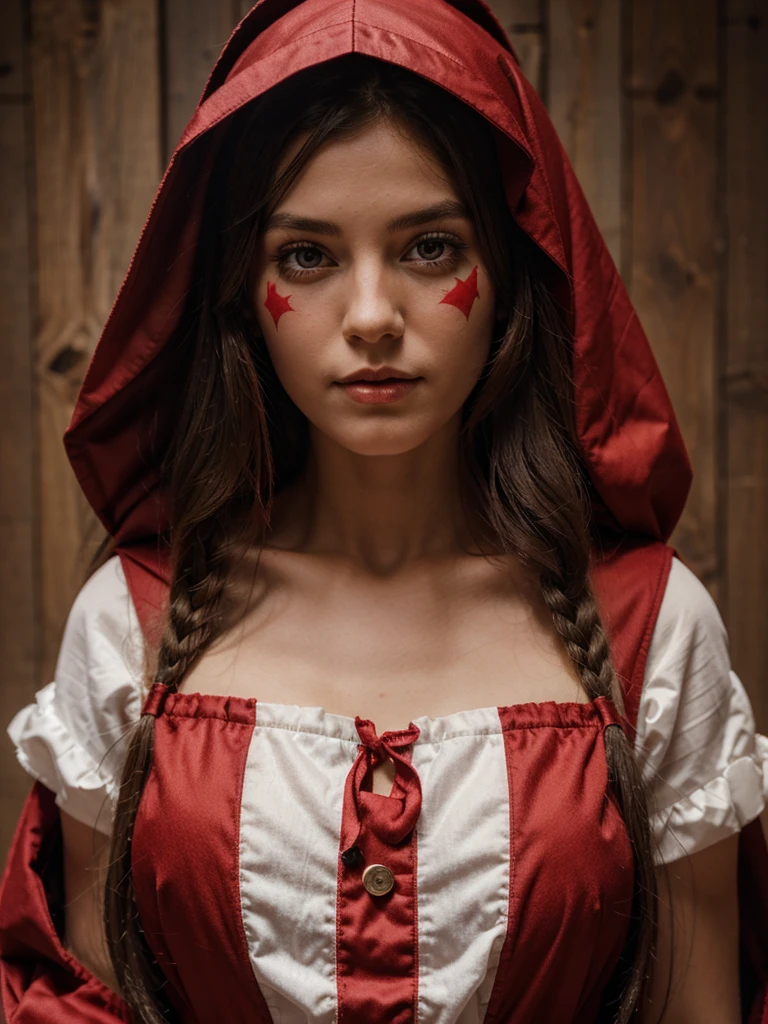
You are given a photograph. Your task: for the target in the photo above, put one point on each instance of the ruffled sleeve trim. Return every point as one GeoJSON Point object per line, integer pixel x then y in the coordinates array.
{"type": "Point", "coordinates": [715, 810]}
{"type": "Point", "coordinates": [704, 762]}
{"type": "Point", "coordinates": [73, 737]}
{"type": "Point", "coordinates": [47, 751]}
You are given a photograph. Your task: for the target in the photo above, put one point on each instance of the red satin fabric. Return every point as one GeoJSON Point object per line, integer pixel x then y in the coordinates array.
{"type": "Point", "coordinates": [185, 855]}
{"type": "Point", "coordinates": [376, 937]}
{"type": "Point", "coordinates": [572, 879]}
{"type": "Point", "coordinates": [40, 982]}
{"type": "Point", "coordinates": [394, 817]}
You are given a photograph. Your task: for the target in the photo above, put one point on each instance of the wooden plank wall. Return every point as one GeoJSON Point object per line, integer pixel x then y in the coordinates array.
{"type": "Point", "coordinates": [672, 269]}
{"type": "Point", "coordinates": [96, 130]}
{"type": "Point", "coordinates": [87, 153]}
{"type": "Point", "coordinates": [584, 99]}
{"type": "Point", "coordinates": [661, 108]}
{"type": "Point", "coordinates": [743, 340]}
{"type": "Point", "coordinates": [20, 626]}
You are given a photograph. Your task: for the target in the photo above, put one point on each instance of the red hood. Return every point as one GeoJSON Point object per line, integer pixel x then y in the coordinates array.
{"type": "Point", "coordinates": [126, 407]}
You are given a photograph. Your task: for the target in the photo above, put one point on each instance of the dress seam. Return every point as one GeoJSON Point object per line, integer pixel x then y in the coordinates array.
{"type": "Point", "coordinates": [417, 42]}
{"type": "Point", "coordinates": [599, 725]}
{"type": "Point", "coordinates": [238, 868]}
{"type": "Point", "coordinates": [415, 896]}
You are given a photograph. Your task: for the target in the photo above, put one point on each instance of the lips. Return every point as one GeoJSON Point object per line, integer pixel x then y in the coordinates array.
{"type": "Point", "coordinates": [384, 380]}
{"type": "Point", "coordinates": [378, 392]}
{"type": "Point", "coordinates": [368, 375]}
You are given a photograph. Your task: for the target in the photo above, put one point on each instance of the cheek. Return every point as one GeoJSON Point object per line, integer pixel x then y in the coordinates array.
{"type": "Point", "coordinates": [460, 323]}
{"type": "Point", "coordinates": [292, 338]}
{"type": "Point", "coordinates": [463, 294]}
{"type": "Point", "coordinates": [276, 304]}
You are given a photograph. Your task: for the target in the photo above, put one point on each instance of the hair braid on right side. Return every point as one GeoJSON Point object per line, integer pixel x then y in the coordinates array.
{"type": "Point", "coordinates": [578, 623]}
{"type": "Point", "coordinates": [525, 463]}
{"type": "Point", "coordinates": [577, 620]}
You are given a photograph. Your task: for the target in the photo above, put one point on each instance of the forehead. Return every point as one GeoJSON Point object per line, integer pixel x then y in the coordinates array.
{"type": "Point", "coordinates": [379, 170]}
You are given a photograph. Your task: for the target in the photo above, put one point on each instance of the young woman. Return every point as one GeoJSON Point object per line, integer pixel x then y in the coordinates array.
{"type": "Point", "coordinates": [346, 711]}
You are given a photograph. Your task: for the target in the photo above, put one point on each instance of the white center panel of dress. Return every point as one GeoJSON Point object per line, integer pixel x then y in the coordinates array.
{"type": "Point", "coordinates": [293, 789]}
{"type": "Point", "coordinates": [464, 863]}
{"type": "Point", "coordinates": [289, 848]}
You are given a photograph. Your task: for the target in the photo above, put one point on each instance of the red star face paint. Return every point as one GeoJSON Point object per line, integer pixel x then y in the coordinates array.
{"type": "Point", "coordinates": [463, 294]}
{"type": "Point", "coordinates": [277, 304]}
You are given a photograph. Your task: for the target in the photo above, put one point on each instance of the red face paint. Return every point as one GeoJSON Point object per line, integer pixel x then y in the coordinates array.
{"type": "Point", "coordinates": [463, 294]}
{"type": "Point", "coordinates": [276, 304]}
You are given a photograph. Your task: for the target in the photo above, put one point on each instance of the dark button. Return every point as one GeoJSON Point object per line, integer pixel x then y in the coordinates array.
{"type": "Point", "coordinates": [352, 856]}
{"type": "Point", "coordinates": [378, 879]}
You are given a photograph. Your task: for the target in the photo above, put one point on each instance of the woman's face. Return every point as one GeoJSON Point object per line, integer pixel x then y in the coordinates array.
{"type": "Point", "coordinates": [371, 262]}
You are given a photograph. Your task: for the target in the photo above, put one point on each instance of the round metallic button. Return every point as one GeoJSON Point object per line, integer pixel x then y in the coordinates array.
{"type": "Point", "coordinates": [378, 879]}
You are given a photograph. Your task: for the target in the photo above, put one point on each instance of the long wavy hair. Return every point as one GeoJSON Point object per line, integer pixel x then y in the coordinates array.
{"type": "Point", "coordinates": [240, 439]}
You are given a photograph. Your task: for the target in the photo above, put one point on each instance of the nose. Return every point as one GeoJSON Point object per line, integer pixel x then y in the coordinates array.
{"type": "Point", "coordinates": [372, 311]}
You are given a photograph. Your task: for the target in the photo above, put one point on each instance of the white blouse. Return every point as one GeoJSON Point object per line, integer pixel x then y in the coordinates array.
{"type": "Point", "coordinates": [696, 739]}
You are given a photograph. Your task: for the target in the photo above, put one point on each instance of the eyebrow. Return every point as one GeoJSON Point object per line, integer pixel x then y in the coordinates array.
{"type": "Point", "coordinates": [447, 208]}
{"type": "Point", "coordinates": [439, 211]}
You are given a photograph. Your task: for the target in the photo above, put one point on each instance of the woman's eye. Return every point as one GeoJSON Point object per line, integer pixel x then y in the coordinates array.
{"type": "Point", "coordinates": [436, 251]}
{"type": "Point", "coordinates": [301, 260]}
{"type": "Point", "coordinates": [308, 258]}
{"type": "Point", "coordinates": [431, 248]}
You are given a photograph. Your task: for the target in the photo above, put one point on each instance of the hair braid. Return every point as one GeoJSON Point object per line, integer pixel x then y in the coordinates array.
{"type": "Point", "coordinates": [577, 620]}
{"type": "Point", "coordinates": [191, 619]}
{"type": "Point", "coordinates": [523, 459]}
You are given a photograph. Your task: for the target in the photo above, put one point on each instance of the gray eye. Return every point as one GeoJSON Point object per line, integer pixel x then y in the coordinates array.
{"type": "Point", "coordinates": [431, 248]}
{"type": "Point", "coordinates": [308, 258]}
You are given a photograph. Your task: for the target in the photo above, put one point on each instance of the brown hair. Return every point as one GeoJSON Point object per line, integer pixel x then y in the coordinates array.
{"type": "Point", "coordinates": [240, 439]}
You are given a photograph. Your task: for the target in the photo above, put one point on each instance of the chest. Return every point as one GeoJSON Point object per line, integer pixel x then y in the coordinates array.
{"type": "Point", "coordinates": [430, 642]}
{"type": "Point", "coordinates": [510, 882]}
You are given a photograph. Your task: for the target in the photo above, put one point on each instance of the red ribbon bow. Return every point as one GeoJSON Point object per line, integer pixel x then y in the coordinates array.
{"type": "Point", "coordinates": [390, 817]}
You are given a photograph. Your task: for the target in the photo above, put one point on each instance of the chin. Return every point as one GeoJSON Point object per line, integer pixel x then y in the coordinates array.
{"type": "Point", "coordinates": [381, 442]}
{"type": "Point", "coordinates": [382, 449]}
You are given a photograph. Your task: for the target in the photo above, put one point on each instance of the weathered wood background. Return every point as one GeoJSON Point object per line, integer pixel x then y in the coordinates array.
{"type": "Point", "coordinates": [662, 107]}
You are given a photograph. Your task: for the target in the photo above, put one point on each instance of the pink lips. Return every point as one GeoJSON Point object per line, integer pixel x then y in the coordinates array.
{"type": "Point", "coordinates": [379, 392]}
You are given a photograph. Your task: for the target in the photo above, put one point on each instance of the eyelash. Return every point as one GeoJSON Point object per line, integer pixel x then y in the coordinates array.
{"type": "Point", "coordinates": [445, 262]}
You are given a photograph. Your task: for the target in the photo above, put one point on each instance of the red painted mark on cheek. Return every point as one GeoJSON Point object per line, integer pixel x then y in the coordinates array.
{"type": "Point", "coordinates": [463, 294]}
{"type": "Point", "coordinates": [276, 304]}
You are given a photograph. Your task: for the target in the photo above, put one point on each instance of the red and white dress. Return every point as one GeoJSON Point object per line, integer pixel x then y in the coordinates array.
{"type": "Point", "coordinates": [508, 874]}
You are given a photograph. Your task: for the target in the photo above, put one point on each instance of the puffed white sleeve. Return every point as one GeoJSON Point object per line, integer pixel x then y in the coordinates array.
{"type": "Point", "coordinates": [706, 765]}
{"type": "Point", "coordinates": [71, 737]}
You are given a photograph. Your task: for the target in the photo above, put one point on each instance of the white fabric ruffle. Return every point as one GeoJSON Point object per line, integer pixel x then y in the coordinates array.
{"type": "Point", "coordinates": [714, 811]}
{"type": "Point", "coordinates": [46, 749]}
{"type": "Point", "coordinates": [706, 765]}
{"type": "Point", "coordinates": [73, 737]}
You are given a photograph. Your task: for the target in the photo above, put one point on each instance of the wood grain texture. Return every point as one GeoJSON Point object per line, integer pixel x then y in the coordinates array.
{"type": "Point", "coordinates": [672, 263]}
{"type": "Point", "coordinates": [524, 22]}
{"type": "Point", "coordinates": [96, 123]}
{"type": "Point", "coordinates": [584, 99]}
{"type": "Point", "coordinates": [745, 380]}
{"type": "Point", "coordinates": [194, 35]}
{"type": "Point", "coordinates": [18, 509]}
